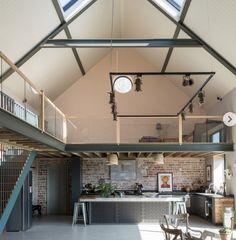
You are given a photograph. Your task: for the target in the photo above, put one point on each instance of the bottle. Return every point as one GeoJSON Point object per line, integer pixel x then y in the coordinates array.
{"type": "Point", "coordinates": [228, 217]}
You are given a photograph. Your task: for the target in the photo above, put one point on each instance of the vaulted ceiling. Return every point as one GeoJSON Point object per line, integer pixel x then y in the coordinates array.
{"type": "Point", "coordinates": [23, 24]}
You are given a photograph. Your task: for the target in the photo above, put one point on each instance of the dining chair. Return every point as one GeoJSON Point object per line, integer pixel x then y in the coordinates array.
{"type": "Point", "coordinates": [172, 234]}
{"type": "Point", "coordinates": [176, 220]}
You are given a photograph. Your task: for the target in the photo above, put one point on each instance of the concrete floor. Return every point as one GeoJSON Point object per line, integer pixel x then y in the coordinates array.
{"type": "Point", "coordinates": [59, 228]}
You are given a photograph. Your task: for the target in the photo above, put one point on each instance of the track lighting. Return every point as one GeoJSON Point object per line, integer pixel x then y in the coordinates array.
{"type": "Point", "coordinates": [112, 97]}
{"type": "Point", "coordinates": [187, 80]}
{"type": "Point", "coordinates": [190, 108]}
{"type": "Point", "coordinates": [201, 97]}
{"type": "Point", "coordinates": [113, 108]}
{"type": "Point", "coordinates": [219, 99]}
{"type": "Point", "coordinates": [138, 82]}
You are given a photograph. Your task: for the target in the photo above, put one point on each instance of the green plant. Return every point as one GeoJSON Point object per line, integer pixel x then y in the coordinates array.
{"type": "Point", "coordinates": [225, 231]}
{"type": "Point", "coordinates": [106, 189]}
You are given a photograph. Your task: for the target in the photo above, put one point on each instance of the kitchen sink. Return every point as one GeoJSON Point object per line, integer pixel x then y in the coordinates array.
{"type": "Point", "coordinates": [210, 194]}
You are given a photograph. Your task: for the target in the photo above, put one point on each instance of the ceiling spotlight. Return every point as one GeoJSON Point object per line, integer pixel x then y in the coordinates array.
{"type": "Point", "coordinates": [113, 108]}
{"type": "Point", "coordinates": [190, 108]}
{"type": "Point", "coordinates": [138, 82]}
{"type": "Point", "coordinates": [183, 116]}
{"type": "Point", "coordinates": [187, 80]}
{"type": "Point", "coordinates": [115, 116]}
{"type": "Point", "coordinates": [112, 98]}
{"type": "Point", "coordinates": [158, 158]}
{"type": "Point", "coordinates": [219, 99]}
{"type": "Point", "coordinates": [201, 97]}
{"type": "Point", "coordinates": [123, 84]}
{"type": "Point", "coordinates": [112, 159]}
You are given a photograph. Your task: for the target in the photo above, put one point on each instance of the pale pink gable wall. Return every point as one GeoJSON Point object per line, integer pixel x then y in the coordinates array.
{"type": "Point", "coordinates": [88, 99]}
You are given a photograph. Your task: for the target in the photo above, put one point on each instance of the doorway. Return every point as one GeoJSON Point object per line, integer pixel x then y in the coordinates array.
{"type": "Point", "coordinates": [57, 182]}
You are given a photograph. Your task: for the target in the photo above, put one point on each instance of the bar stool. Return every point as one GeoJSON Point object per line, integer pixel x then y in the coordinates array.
{"type": "Point", "coordinates": [79, 207]}
{"type": "Point", "coordinates": [179, 208]}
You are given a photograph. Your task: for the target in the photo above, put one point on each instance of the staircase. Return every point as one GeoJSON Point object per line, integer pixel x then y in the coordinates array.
{"type": "Point", "coordinates": [14, 167]}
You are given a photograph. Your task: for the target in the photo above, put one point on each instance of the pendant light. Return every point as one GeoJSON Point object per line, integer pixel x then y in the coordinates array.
{"type": "Point", "coordinates": [112, 159]}
{"type": "Point", "coordinates": [158, 158]}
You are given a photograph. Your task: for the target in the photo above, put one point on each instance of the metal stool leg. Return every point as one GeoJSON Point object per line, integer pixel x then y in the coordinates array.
{"type": "Point", "coordinates": [84, 213]}
{"type": "Point", "coordinates": [75, 214]}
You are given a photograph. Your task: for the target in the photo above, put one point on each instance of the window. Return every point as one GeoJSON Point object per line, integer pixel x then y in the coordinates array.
{"type": "Point", "coordinates": [218, 171]}
{"type": "Point", "coordinates": [215, 138]}
{"type": "Point", "coordinates": [172, 7]}
{"type": "Point", "coordinates": [71, 7]}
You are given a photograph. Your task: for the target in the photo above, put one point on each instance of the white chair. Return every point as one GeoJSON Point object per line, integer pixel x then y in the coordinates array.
{"type": "Point", "coordinates": [79, 207]}
{"type": "Point", "coordinates": [179, 208]}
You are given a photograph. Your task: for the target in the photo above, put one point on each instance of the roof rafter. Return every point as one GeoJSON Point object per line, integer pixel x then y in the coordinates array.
{"type": "Point", "coordinates": [193, 35]}
{"type": "Point", "coordinates": [68, 35]}
{"type": "Point", "coordinates": [51, 35]}
{"type": "Point", "coordinates": [176, 33]}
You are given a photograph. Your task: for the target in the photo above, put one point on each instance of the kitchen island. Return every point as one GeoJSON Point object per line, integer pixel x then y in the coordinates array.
{"type": "Point", "coordinates": [129, 209]}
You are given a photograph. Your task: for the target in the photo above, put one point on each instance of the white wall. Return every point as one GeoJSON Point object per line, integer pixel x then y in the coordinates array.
{"type": "Point", "coordinates": [88, 98]}
{"type": "Point", "coordinates": [228, 104]}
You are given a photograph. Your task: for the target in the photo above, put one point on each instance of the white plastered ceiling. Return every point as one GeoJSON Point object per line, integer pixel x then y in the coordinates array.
{"type": "Point", "coordinates": [24, 23]}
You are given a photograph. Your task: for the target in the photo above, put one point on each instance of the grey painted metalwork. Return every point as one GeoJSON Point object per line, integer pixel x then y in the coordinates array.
{"type": "Point", "coordinates": [37, 47]}
{"type": "Point", "coordinates": [12, 122]}
{"type": "Point", "coordinates": [193, 35]}
{"type": "Point", "coordinates": [68, 34]}
{"type": "Point", "coordinates": [16, 190]}
{"type": "Point", "coordinates": [120, 43]}
{"type": "Point", "coordinates": [151, 147]}
{"type": "Point", "coordinates": [176, 33]}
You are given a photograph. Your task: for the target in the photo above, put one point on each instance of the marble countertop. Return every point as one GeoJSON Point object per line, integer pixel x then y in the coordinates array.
{"type": "Point", "coordinates": [132, 198]}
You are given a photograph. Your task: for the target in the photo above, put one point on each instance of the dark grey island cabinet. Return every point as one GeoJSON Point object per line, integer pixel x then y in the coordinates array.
{"type": "Point", "coordinates": [128, 210]}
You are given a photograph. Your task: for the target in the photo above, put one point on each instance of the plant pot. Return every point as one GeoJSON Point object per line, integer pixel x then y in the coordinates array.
{"type": "Point", "coordinates": [225, 236]}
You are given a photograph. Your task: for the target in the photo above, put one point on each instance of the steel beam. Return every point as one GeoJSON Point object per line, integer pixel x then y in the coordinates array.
{"type": "Point", "coordinates": [159, 73]}
{"type": "Point", "coordinates": [37, 47]}
{"type": "Point", "coordinates": [176, 34]}
{"type": "Point", "coordinates": [68, 34]}
{"type": "Point", "coordinates": [193, 35]}
{"type": "Point", "coordinates": [120, 43]}
{"type": "Point", "coordinates": [150, 147]}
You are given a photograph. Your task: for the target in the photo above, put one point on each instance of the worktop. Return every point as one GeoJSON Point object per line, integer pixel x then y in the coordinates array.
{"type": "Point", "coordinates": [134, 198]}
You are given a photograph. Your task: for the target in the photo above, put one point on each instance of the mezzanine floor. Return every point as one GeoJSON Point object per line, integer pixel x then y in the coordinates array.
{"type": "Point", "coordinates": [59, 228]}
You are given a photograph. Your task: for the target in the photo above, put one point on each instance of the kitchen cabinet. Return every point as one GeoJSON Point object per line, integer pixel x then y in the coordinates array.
{"type": "Point", "coordinates": [218, 205]}
{"type": "Point", "coordinates": [198, 204]}
{"type": "Point", "coordinates": [209, 207]}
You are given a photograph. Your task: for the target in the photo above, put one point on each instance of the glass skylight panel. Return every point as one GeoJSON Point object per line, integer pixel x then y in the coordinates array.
{"type": "Point", "coordinates": [172, 7]}
{"type": "Point", "coordinates": [71, 7]}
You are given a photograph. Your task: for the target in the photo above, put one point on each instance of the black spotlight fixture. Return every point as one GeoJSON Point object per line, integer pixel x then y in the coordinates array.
{"type": "Point", "coordinates": [138, 82]}
{"type": "Point", "coordinates": [219, 99]}
{"type": "Point", "coordinates": [113, 108]}
{"type": "Point", "coordinates": [183, 115]}
{"type": "Point", "coordinates": [201, 97]}
{"type": "Point", "coordinates": [190, 108]}
{"type": "Point", "coordinates": [112, 97]}
{"type": "Point", "coordinates": [187, 80]}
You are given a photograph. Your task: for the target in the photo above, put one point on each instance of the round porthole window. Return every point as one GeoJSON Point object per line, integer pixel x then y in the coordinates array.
{"type": "Point", "coordinates": [122, 84]}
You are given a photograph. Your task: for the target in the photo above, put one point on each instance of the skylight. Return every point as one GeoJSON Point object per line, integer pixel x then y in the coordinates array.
{"type": "Point", "coordinates": [172, 7]}
{"type": "Point", "coordinates": [71, 7]}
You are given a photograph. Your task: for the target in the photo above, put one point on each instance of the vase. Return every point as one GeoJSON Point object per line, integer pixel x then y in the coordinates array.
{"type": "Point", "coordinates": [224, 236]}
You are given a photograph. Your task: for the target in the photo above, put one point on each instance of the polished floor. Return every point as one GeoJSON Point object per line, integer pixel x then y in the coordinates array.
{"type": "Point", "coordinates": [59, 228]}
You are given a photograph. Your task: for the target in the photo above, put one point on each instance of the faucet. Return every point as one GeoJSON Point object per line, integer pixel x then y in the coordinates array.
{"type": "Point", "coordinates": [210, 187]}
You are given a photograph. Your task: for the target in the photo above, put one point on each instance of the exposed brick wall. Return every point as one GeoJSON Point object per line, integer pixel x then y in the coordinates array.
{"type": "Point", "coordinates": [40, 181]}
{"type": "Point", "coordinates": [186, 171]}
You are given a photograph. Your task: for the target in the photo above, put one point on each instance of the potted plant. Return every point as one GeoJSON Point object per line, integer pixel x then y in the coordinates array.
{"type": "Point", "coordinates": [106, 190]}
{"type": "Point", "coordinates": [225, 233]}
